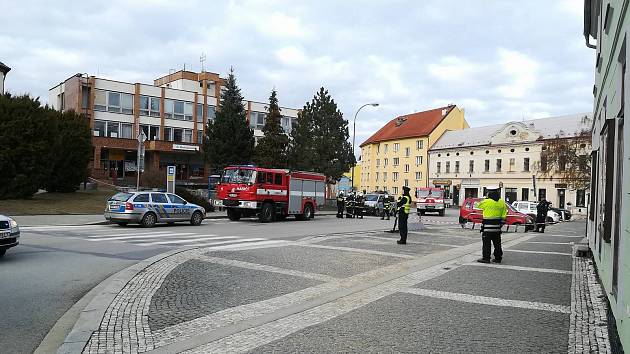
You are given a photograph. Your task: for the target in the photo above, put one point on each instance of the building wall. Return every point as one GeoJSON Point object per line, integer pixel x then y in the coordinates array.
{"type": "Point", "coordinates": [1, 83]}
{"type": "Point", "coordinates": [611, 54]}
{"type": "Point", "coordinates": [377, 174]}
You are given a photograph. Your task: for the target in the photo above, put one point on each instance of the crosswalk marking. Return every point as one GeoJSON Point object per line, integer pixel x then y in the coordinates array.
{"type": "Point", "coordinates": [133, 236]}
{"type": "Point", "coordinates": [206, 244]}
{"type": "Point", "coordinates": [133, 233]}
{"type": "Point", "coordinates": [163, 242]}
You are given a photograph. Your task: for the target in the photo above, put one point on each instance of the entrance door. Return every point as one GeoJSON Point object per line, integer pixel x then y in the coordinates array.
{"type": "Point", "coordinates": [471, 192]}
{"type": "Point", "coordinates": [561, 198]}
{"type": "Point", "coordinates": [455, 195]}
{"type": "Point", "coordinates": [511, 195]}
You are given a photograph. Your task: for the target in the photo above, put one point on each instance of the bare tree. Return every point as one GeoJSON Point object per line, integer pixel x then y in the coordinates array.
{"type": "Point", "coordinates": [567, 158]}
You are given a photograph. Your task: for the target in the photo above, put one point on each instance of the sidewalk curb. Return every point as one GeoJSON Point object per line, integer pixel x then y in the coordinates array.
{"type": "Point", "coordinates": [90, 317]}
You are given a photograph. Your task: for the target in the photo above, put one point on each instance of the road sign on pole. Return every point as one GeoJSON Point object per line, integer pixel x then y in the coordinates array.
{"type": "Point", "coordinates": [170, 179]}
{"type": "Point", "coordinates": [140, 160]}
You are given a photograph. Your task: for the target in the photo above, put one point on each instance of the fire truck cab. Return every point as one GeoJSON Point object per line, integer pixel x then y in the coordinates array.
{"type": "Point", "coordinates": [430, 200]}
{"type": "Point", "coordinates": [270, 194]}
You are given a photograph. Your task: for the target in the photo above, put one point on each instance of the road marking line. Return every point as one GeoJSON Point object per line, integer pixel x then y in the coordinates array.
{"type": "Point", "coordinates": [64, 227]}
{"type": "Point", "coordinates": [238, 244]}
{"type": "Point", "coordinates": [359, 250]}
{"type": "Point", "coordinates": [267, 268]}
{"type": "Point", "coordinates": [493, 301]}
{"type": "Point", "coordinates": [130, 234]}
{"type": "Point", "coordinates": [121, 238]}
{"type": "Point", "coordinates": [188, 240]}
{"type": "Point", "coordinates": [413, 241]}
{"type": "Point", "coordinates": [552, 235]}
{"type": "Point", "coordinates": [540, 252]}
{"type": "Point", "coordinates": [550, 243]}
{"type": "Point", "coordinates": [529, 269]}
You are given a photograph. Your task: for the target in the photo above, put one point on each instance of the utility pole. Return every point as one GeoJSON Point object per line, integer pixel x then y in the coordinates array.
{"type": "Point", "coordinates": [140, 160]}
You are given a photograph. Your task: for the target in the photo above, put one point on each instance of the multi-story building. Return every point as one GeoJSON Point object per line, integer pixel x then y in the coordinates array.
{"type": "Point", "coordinates": [396, 155]}
{"type": "Point", "coordinates": [172, 113]}
{"type": "Point", "coordinates": [3, 73]}
{"type": "Point", "coordinates": [467, 161]}
{"type": "Point", "coordinates": [607, 29]}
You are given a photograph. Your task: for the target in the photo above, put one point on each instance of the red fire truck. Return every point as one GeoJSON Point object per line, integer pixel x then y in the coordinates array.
{"type": "Point", "coordinates": [430, 200]}
{"type": "Point", "coordinates": [270, 194]}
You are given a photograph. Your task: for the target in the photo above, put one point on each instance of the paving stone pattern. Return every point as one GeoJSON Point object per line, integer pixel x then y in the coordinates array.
{"type": "Point", "coordinates": [588, 332]}
{"type": "Point", "coordinates": [543, 247]}
{"type": "Point", "coordinates": [197, 288]}
{"type": "Point", "coordinates": [552, 261]}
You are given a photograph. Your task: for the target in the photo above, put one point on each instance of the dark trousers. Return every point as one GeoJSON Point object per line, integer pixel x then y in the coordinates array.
{"type": "Point", "coordinates": [489, 238]}
{"type": "Point", "coordinates": [385, 214]}
{"type": "Point", "coordinates": [402, 225]}
{"type": "Point", "coordinates": [340, 208]}
{"type": "Point", "coordinates": [540, 223]}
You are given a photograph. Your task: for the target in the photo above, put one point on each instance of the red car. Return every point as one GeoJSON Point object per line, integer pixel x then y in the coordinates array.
{"type": "Point", "coordinates": [469, 212]}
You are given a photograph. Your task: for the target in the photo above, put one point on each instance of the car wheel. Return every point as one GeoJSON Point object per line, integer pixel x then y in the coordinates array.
{"type": "Point", "coordinates": [549, 219]}
{"type": "Point", "coordinates": [148, 220]}
{"type": "Point", "coordinates": [234, 215]}
{"type": "Point", "coordinates": [308, 212]}
{"type": "Point", "coordinates": [196, 218]}
{"type": "Point", "coordinates": [462, 220]}
{"type": "Point", "coordinates": [2, 252]}
{"type": "Point", "coordinates": [122, 223]}
{"type": "Point", "coordinates": [266, 213]}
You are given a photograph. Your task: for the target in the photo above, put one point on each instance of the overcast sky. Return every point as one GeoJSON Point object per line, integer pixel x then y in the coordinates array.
{"type": "Point", "coordinates": [501, 60]}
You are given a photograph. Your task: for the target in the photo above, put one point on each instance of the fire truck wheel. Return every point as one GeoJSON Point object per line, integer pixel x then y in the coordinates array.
{"type": "Point", "coordinates": [266, 213]}
{"type": "Point", "coordinates": [308, 212]}
{"type": "Point", "coordinates": [234, 215]}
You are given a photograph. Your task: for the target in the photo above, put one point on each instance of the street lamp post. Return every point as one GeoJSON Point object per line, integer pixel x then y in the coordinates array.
{"type": "Point", "coordinates": [354, 132]}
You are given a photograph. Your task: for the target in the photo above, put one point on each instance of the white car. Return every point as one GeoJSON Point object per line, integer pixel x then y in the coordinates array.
{"type": "Point", "coordinates": [9, 234]}
{"type": "Point", "coordinates": [530, 209]}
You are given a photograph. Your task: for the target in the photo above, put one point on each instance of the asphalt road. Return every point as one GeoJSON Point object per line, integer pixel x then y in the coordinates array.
{"type": "Point", "coordinates": [53, 267]}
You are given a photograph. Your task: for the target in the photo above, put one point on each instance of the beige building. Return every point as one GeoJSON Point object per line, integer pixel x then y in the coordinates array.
{"type": "Point", "coordinates": [465, 162]}
{"type": "Point", "coordinates": [396, 155]}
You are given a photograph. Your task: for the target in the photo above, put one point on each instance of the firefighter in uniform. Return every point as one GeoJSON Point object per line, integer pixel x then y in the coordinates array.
{"type": "Point", "coordinates": [387, 205]}
{"type": "Point", "coordinates": [541, 215]}
{"type": "Point", "coordinates": [359, 204]}
{"type": "Point", "coordinates": [404, 205]}
{"type": "Point", "coordinates": [340, 205]}
{"type": "Point", "coordinates": [350, 205]}
{"type": "Point", "coordinates": [494, 214]}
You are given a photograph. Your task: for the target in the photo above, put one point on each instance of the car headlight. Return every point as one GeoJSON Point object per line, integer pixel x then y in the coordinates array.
{"type": "Point", "coordinates": [12, 223]}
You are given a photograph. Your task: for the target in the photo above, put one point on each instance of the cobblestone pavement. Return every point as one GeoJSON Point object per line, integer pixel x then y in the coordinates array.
{"type": "Point", "coordinates": [360, 292]}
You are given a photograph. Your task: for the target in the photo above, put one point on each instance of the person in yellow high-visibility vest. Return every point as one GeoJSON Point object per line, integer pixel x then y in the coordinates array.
{"type": "Point", "coordinates": [494, 215]}
{"type": "Point", "coordinates": [404, 204]}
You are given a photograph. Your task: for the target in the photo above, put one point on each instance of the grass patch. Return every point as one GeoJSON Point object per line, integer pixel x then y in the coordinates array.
{"type": "Point", "coordinates": [79, 202]}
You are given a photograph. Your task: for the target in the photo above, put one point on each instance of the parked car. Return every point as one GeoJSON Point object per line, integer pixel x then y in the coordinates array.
{"type": "Point", "coordinates": [371, 201]}
{"type": "Point", "coordinates": [149, 208]}
{"type": "Point", "coordinates": [567, 214]}
{"type": "Point", "coordinates": [470, 212]}
{"type": "Point", "coordinates": [529, 208]}
{"type": "Point", "coordinates": [9, 234]}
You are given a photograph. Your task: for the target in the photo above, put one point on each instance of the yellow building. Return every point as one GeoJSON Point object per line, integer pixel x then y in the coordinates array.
{"type": "Point", "coordinates": [396, 155]}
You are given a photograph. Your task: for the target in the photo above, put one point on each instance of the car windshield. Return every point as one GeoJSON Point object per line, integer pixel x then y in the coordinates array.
{"type": "Point", "coordinates": [121, 197]}
{"type": "Point", "coordinates": [371, 197]}
{"type": "Point", "coordinates": [238, 175]}
{"type": "Point", "coordinates": [435, 193]}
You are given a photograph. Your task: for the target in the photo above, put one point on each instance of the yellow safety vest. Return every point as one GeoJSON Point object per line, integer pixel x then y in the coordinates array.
{"type": "Point", "coordinates": [493, 209]}
{"type": "Point", "coordinates": [407, 204]}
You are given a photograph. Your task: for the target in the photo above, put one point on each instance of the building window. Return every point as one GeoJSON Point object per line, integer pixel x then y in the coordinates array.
{"type": "Point", "coordinates": [385, 160]}
{"type": "Point", "coordinates": [377, 176]}
{"type": "Point", "coordinates": [187, 137]}
{"type": "Point", "coordinates": [378, 162]}
{"type": "Point", "coordinates": [178, 110]}
{"type": "Point", "coordinates": [418, 160]}
{"type": "Point", "coordinates": [448, 167]}
{"type": "Point", "coordinates": [127, 131]}
{"type": "Point", "coordinates": [113, 129]}
{"type": "Point", "coordinates": [178, 135]}
{"type": "Point", "coordinates": [407, 152]}
{"type": "Point", "coordinates": [395, 190]}
{"type": "Point", "coordinates": [580, 198]}
{"type": "Point", "coordinates": [543, 163]}
{"type": "Point", "coordinates": [526, 164]}
{"type": "Point", "coordinates": [199, 136]}
{"type": "Point", "coordinates": [525, 194]}
{"type": "Point", "coordinates": [395, 176]}
{"type": "Point", "coordinates": [257, 120]}
{"type": "Point", "coordinates": [418, 176]}
{"type": "Point", "coordinates": [439, 167]}
{"type": "Point", "coordinates": [486, 166]}
{"type": "Point", "coordinates": [168, 109]}
{"type": "Point", "coordinates": [499, 165]}
{"type": "Point", "coordinates": [199, 113]}
{"type": "Point", "coordinates": [149, 106]}
{"type": "Point", "coordinates": [386, 145]}
{"type": "Point", "coordinates": [456, 166]}
{"type": "Point", "coordinates": [210, 112]}
{"type": "Point", "coordinates": [512, 164]}
{"type": "Point", "coordinates": [151, 132]}
{"type": "Point", "coordinates": [168, 133]}
{"type": "Point", "coordinates": [396, 147]}
{"type": "Point", "coordinates": [406, 167]}
{"type": "Point", "coordinates": [406, 183]}
{"type": "Point", "coordinates": [384, 176]}
{"type": "Point", "coordinates": [542, 194]}
{"type": "Point", "coordinates": [396, 160]}
{"type": "Point", "coordinates": [99, 128]}
{"type": "Point", "coordinates": [113, 102]}
{"type": "Point", "coordinates": [471, 166]}
{"type": "Point", "coordinates": [419, 144]}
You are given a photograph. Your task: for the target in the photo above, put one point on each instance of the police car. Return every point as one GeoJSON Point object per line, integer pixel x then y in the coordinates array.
{"type": "Point", "coordinates": [9, 234]}
{"type": "Point", "coordinates": [149, 208]}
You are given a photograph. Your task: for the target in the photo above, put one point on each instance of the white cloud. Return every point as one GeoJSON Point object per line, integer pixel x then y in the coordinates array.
{"type": "Point", "coordinates": [454, 69]}
{"type": "Point", "coordinates": [521, 72]}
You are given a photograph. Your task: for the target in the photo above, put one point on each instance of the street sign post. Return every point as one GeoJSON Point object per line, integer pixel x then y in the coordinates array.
{"type": "Point", "coordinates": [140, 158]}
{"type": "Point", "coordinates": [534, 183]}
{"type": "Point", "coordinates": [170, 179]}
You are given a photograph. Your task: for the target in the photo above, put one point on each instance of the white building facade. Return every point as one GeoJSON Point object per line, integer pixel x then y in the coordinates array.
{"type": "Point", "coordinates": [468, 161]}
{"type": "Point", "coordinates": [3, 73]}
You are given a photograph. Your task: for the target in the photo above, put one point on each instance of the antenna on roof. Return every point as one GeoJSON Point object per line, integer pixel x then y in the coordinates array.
{"type": "Point", "coordinates": [202, 60]}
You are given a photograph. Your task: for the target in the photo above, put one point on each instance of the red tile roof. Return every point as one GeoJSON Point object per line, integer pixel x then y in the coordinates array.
{"type": "Point", "coordinates": [410, 125]}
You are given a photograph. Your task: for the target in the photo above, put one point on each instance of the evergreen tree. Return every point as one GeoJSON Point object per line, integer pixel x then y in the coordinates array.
{"type": "Point", "coordinates": [229, 139]}
{"type": "Point", "coordinates": [71, 151]}
{"type": "Point", "coordinates": [26, 137]}
{"type": "Point", "coordinates": [271, 150]}
{"type": "Point", "coordinates": [319, 142]}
